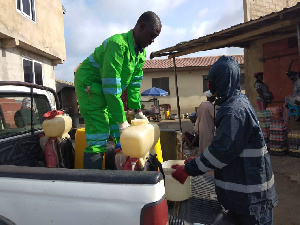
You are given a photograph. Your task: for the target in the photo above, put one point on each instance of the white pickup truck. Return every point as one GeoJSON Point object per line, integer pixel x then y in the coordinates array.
{"type": "Point", "coordinates": [31, 194]}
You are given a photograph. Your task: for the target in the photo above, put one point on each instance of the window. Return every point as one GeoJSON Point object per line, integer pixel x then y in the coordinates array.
{"type": "Point", "coordinates": [205, 84]}
{"type": "Point", "coordinates": [162, 83]}
{"type": "Point", "coordinates": [15, 113]}
{"type": "Point", "coordinates": [242, 81]}
{"type": "Point", "coordinates": [292, 42]}
{"type": "Point", "coordinates": [27, 8]}
{"type": "Point", "coordinates": [32, 71]}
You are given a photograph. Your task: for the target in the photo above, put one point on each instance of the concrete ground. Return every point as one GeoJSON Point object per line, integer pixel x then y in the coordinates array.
{"type": "Point", "coordinates": [287, 177]}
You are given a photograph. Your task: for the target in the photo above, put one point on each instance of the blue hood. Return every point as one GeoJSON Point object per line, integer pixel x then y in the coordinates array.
{"type": "Point", "coordinates": [225, 73]}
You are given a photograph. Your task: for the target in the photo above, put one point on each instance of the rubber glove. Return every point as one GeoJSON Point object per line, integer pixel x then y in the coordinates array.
{"type": "Point", "coordinates": [123, 126]}
{"type": "Point", "coordinates": [180, 174]}
{"type": "Point", "coordinates": [175, 166]}
{"type": "Point", "coordinates": [140, 115]}
{"type": "Point", "coordinates": [188, 159]}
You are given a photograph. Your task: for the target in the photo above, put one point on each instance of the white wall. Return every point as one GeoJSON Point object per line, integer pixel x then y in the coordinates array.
{"type": "Point", "coordinates": [11, 67]}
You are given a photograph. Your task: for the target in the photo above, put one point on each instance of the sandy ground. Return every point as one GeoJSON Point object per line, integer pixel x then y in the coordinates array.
{"type": "Point", "coordinates": [287, 178]}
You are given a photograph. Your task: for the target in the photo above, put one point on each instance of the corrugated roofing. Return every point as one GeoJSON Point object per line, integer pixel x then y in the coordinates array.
{"type": "Point", "coordinates": [60, 84]}
{"type": "Point", "coordinates": [240, 35]}
{"type": "Point", "coordinates": [186, 62]}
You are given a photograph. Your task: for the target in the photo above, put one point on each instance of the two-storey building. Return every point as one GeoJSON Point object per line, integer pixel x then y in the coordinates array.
{"type": "Point", "coordinates": [31, 40]}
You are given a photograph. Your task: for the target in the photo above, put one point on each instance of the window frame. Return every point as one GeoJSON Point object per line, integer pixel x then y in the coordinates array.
{"type": "Point", "coordinates": [32, 15]}
{"type": "Point", "coordinates": [33, 69]}
{"type": "Point", "coordinates": [161, 81]}
{"type": "Point", "coordinates": [41, 106]}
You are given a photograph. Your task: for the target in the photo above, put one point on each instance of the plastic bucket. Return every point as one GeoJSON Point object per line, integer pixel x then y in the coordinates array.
{"type": "Point", "coordinates": [175, 191]}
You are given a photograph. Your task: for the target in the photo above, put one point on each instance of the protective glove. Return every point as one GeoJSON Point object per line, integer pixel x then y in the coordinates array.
{"type": "Point", "coordinates": [123, 126]}
{"type": "Point", "coordinates": [180, 174]}
{"type": "Point", "coordinates": [188, 159]}
{"type": "Point", "coordinates": [175, 166]}
{"type": "Point", "coordinates": [140, 115]}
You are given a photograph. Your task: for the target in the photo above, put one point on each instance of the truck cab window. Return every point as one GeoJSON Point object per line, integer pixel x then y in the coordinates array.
{"type": "Point", "coordinates": [17, 114]}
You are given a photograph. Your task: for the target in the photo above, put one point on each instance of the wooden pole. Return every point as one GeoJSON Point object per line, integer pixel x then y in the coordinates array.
{"type": "Point", "coordinates": [177, 95]}
{"type": "Point", "coordinates": [298, 37]}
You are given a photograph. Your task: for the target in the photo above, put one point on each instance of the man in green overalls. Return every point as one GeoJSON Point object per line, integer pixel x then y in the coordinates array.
{"type": "Point", "coordinates": [101, 78]}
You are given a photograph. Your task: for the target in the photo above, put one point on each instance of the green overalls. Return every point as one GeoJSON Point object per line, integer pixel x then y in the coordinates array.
{"type": "Point", "coordinates": [99, 82]}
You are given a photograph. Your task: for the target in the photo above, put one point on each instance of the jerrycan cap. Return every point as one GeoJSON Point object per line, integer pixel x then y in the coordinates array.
{"type": "Point", "coordinates": [51, 114]}
{"type": "Point", "coordinates": [118, 148]}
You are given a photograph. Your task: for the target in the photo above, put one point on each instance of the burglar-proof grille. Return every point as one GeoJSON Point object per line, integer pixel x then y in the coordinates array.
{"type": "Point", "coordinates": [292, 42]}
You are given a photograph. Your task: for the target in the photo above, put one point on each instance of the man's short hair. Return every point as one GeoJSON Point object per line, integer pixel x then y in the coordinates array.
{"type": "Point", "coordinates": [150, 18]}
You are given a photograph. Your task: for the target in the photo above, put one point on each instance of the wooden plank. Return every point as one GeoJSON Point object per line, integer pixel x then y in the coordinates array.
{"type": "Point", "coordinates": [298, 37]}
{"type": "Point", "coordinates": [260, 22]}
{"type": "Point", "coordinates": [235, 39]}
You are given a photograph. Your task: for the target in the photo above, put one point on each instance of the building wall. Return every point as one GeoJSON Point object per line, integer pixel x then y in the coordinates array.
{"type": "Point", "coordinates": [253, 64]}
{"type": "Point", "coordinates": [190, 87]}
{"type": "Point", "coordinates": [253, 9]}
{"type": "Point", "coordinates": [42, 41]}
{"type": "Point", "coordinates": [11, 68]}
{"type": "Point", "coordinates": [276, 67]}
{"type": "Point", "coordinates": [46, 34]}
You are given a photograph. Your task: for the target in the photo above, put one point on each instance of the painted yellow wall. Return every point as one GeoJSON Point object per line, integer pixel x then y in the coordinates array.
{"type": "Point", "coordinates": [190, 87]}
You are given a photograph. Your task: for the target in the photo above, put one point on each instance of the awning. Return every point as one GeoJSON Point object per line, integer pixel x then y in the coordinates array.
{"type": "Point", "coordinates": [240, 35]}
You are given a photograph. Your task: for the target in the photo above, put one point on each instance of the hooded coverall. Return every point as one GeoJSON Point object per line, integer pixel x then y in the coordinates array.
{"type": "Point", "coordinates": [99, 82]}
{"type": "Point", "coordinates": [244, 180]}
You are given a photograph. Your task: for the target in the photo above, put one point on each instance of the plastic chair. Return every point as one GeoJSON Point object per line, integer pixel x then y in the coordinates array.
{"type": "Point", "coordinates": [293, 109]}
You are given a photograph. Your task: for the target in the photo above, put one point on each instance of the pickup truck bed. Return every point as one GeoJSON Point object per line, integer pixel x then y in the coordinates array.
{"type": "Point", "coordinates": [32, 194]}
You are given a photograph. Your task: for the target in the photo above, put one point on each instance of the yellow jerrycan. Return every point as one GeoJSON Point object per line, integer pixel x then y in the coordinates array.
{"type": "Point", "coordinates": [138, 139]}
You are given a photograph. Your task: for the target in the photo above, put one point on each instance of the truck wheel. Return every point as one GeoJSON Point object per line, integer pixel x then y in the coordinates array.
{"type": "Point", "coordinates": [5, 221]}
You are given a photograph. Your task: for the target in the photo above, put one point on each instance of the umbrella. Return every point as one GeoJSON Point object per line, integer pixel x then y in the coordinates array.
{"type": "Point", "coordinates": [154, 92]}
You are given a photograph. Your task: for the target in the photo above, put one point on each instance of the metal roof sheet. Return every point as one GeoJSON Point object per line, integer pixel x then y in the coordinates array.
{"type": "Point", "coordinates": [239, 35]}
{"type": "Point", "coordinates": [60, 84]}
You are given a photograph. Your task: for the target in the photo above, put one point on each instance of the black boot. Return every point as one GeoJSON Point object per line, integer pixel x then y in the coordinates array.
{"type": "Point", "coordinates": [93, 160]}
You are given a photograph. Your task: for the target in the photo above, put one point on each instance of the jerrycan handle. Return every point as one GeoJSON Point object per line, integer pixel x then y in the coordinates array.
{"type": "Point", "coordinates": [138, 122]}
